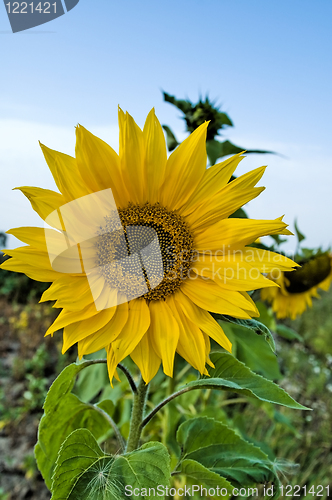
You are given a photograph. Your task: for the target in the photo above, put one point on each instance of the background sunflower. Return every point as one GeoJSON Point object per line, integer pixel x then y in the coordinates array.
{"type": "Point", "coordinates": [297, 289]}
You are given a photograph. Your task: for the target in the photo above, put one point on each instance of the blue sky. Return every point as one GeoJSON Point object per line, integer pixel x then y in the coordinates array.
{"type": "Point", "coordinates": [267, 62]}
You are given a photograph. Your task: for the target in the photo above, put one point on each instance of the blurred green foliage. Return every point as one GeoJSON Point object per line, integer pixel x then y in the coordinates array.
{"type": "Point", "coordinates": [3, 240]}
{"type": "Point", "coordinates": [194, 116]}
{"type": "Point", "coordinates": [17, 287]}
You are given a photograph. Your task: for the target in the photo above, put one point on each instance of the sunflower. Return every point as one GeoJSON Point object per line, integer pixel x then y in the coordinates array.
{"type": "Point", "coordinates": [156, 251]}
{"type": "Point", "coordinates": [297, 289]}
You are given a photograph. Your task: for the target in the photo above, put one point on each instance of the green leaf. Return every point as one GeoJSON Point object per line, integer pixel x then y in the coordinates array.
{"type": "Point", "coordinates": [266, 315]}
{"type": "Point", "coordinates": [254, 325]}
{"type": "Point", "coordinates": [288, 333]}
{"type": "Point", "coordinates": [277, 239]}
{"type": "Point", "coordinates": [300, 236]}
{"type": "Point", "coordinates": [184, 106]}
{"type": "Point", "coordinates": [92, 381]}
{"type": "Point", "coordinates": [171, 141]}
{"type": "Point", "coordinates": [216, 149]}
{"type": "Point", "coordinates": [84, 471]}
{"type": "Point", "coordinates": [3, 240]}
{"type": "Point", "coordinates": [230, 374]}
{"type": "Point", "coordinates": [222, 451]}
{"type": "Point", "coordinates": [63, 413]}
{"type": "Point", "coordinates": [283, 419]}
{"type": "Point", "coordinates": [253, 351]}
{"type": "Point", "coordinates": [239, 214]}
{"type": "Point", "coordinates": [202, 475]}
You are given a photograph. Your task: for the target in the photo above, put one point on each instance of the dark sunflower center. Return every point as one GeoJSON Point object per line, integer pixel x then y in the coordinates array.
{"type": "Point", "coordinates": [309, 275]}
{"type": "Point", "coordinates": [149, 255]}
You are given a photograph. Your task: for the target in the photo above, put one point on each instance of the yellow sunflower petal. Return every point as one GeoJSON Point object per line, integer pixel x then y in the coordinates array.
{"type": "Point", "coordinates": [65, 173]}
{"type": "Point", "coordinates": [207, 350]}
{"type": "Point", "coordinates": [206, 294]}
{"type": "Point", "coordinates": [107, 334]}
{"type": "Point", "coordinates": [214, 179]}
{"type": "Point", "coordinates": [146, 358]}
{"type": "Point", "coordinates": [81, 329]}
{"type": "Point", "coordinates": [73, 292]}
{"type": "Point", "coordinates": [221, 206]}
{"type": "Point", "coordinates": [264, 260]}
{"type": "Point", "coordinates": [111, 365]}
{"type": "Point", "coordinates": [237, 233]}
{"type": "Point", "coordinates": [35, 273]}
{"type": "Point", "coordinates": [155, 156]}
{"type": "Point", "coordinates": [34, 236]}
{"type": "Point", "coordinates": [132, 158]}
{"type": "Point", "coordinates": [184, 169]}
{"type": "Point", "coordinates": [165, 333]}
{"type": "Point", "coordinates": [133, 331]}
{"type": "Point", "coordinates": [43, 201]}
{"type": "Point", "coordinates": [31, 256]}
{"type": "Point", "coordinates": [226, 201]}
{"type": "Point", "coordinates": [204, 320]}
{"type": "Point", "coordinates": [231, 274]}
{"type": "Point", "coordinates": [98, 164]}
{"type": "Point", "coordinates": [191, 344]}
{"type": "Point", "coordinates": [65, 318]}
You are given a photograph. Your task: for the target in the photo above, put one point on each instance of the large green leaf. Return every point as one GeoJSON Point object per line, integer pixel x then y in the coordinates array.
{"type": "Point", "coordinates": [198, 474]}
{"type": "Point", "coordinates": [230, 374]}
{"type": "Point", "coordinates": [84, 472]}
{"type": "Point", "coordinates": [63, 413]}
{"type": "Point", "coordinates": [222, 451]}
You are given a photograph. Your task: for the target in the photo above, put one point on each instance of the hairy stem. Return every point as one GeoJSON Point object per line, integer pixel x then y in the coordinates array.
{"type": "Point", "coordinates": [116, 430]}
{"type": "Point", "coordinates": [129, 377]}
{"type": "Point", "coordinates": [164, 402]}
{"type": "Point", "coordinates": [137, 414]}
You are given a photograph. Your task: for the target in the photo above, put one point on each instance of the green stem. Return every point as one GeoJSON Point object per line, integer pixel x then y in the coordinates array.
{"type": "Point", "coordinates": [132, 384]}
{"type": "Point", "coordinates": [113, 425]}
{"type": "Point", "coordinates": [164, 402]}
{"type": "Point", "coordinates": [166, 417]}
{"type": "Point", "coordinates": [137, 414]}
